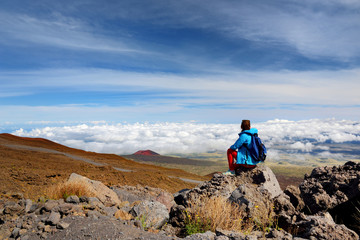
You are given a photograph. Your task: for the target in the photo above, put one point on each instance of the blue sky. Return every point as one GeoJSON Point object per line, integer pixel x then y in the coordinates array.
{"type": "Point", "coordinates": [174, 61]}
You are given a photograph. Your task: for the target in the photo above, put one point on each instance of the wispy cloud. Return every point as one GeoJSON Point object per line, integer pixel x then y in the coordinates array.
{"type": "Point", "coordinates": [316, 29]}
{"type": "Point", "coordinates": [275, 88]}
{"type": "Point", "coordinates": [301, 25]}
{"type": "Point", "coordinates": [59, 31]}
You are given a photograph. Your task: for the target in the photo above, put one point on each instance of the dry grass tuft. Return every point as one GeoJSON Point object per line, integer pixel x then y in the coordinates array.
{"type": "Point", "coordinates": [211, 213]}
{"type": "Point", "coordinates": [123, 215]}
{"type": "Point", "coordinates": [64, 190]}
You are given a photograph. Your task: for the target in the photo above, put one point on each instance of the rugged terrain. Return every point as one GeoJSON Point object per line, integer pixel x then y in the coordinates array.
{"type": "Point", "coordinates": [263, 210]}
{"type": "Point", "coordinates": [30, 165]}
{"type": "Point", "coordinates": [131, 200]}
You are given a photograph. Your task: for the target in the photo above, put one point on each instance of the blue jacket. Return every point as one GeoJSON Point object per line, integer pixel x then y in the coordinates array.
{"type": "Point", "coordinates": [243, 156]}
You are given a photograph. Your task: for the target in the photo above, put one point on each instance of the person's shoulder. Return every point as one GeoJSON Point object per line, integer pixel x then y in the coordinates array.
{"type": "Point", "coordinates": [251, 131]}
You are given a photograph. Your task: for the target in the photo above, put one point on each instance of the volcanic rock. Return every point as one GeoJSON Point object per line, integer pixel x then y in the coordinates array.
{"type": "Point", "coordinates": [151, 213]}
{"type": "Point", "coordinates": [260, 180]}
{"type": "Point", "coordinates": [327, 187]}
{"type": "Point", "coordinates": [107, 196]}
{"type": "Point", "coordinates": [323, 227]}
{"type": "Point", "coordinates": [138, 193]}
{"type": "Point", "coordinates": [295, 197]}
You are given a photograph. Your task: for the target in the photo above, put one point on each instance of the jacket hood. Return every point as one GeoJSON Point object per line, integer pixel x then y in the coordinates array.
{"type": "Point", "coordinates": [252, 131]}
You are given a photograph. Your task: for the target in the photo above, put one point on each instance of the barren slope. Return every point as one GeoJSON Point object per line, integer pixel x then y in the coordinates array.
{"type": "Point", "coordinates": [30, 165]}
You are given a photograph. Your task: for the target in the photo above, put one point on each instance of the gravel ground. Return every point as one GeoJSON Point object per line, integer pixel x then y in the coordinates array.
{"type": "Point", "coordinates": [103, 228]}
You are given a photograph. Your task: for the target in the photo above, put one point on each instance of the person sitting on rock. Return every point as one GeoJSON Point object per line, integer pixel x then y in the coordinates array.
{"type": "Point", "coordinates": [238, 154]}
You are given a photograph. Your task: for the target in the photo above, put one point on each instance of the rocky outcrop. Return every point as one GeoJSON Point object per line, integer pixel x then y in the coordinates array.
{"type": "Point", "coordinates": [258, 189]}
{"type": "Point", "coordinates": [329, 192]}
{"type": "Point", "coordinates": [260, 180]}
{"type": "Point", "coordinates": [335, 190]}
{"type": "Point", "coordinates": [328, 187]}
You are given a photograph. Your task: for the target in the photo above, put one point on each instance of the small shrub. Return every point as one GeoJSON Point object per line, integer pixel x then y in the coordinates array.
{"type": "Point", "coordinates": [195, 224]}
{"type": "Point", "coordinates": [64, 190]}
{"type": "Point", "coordinates": [143, 221]}
{"type": "Point", "coordinates": [265, 224]}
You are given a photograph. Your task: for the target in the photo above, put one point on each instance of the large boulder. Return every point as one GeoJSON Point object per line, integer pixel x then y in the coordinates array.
{"type": "Point", "coordinates": [151, 214]}
{"type": "Point", "coordinates": [256, 204]}
{"type": "Point", "coordinates": [107, 196]}
{"type": "Point", "coordinates": [139, 193]}
{"type": "Point", "coordinates": [261, 179]}
{"type": "Point", "coordinates": [265, 178]}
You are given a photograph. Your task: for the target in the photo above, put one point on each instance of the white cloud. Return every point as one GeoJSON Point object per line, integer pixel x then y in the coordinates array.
{"type": "Point", "coordinates": [324, 148]}
{"type": "Point", "coordinates": [304, 147]}
{"type": "Point", "coordinates": [327, 154]}
{"type": "Point", "coordinates": [165, 138]}
{"type": "Point", "coordinates": [315, 130]}
{"type": "Point", "coordinates": [128, 138]}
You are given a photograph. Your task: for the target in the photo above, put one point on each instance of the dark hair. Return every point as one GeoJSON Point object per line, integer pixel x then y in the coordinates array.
{"type": "Point", "coordinates": [245, 125]}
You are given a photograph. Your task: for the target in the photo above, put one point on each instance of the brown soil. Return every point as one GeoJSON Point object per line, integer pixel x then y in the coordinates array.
{"type": "Point", "coordinates": [31, 165]}
{"type": "Point", "coordinates": [285, 181]}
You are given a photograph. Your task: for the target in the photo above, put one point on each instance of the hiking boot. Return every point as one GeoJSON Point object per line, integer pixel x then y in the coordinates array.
{"type": "Point", "coordinates": [229, 172]}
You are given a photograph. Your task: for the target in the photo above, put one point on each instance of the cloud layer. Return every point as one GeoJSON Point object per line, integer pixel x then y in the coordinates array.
{"type": "Point", "coordinates": [280, 136]}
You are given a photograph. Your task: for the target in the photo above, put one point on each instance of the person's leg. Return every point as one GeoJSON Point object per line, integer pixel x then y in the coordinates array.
{"type": "Point", "coordinates": [232, 155]}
